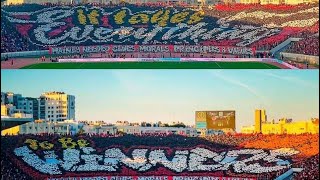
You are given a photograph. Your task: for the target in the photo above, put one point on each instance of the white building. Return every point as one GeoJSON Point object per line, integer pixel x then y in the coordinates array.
{"type": "Point", "coordinates": [100, 129]}
{"type": "Point", "coordinates": [10, 109]}
{"type": "Point", "coordinates": [15, 103]}
{"type": "Point", "coordinates": [94, 128]}
{"type": "Point", "coordinates": [40, 126]}
{"type": "Point", "coordinates": [122, 123]}
{"type": "Point", "coordinates": [192, 132]}
{"type": "Point", "coordinates": [57, 106]}
{"type": "Point", "coordinates": [28, 105]}
{"type": "Point", "coordinates": [54, 106]}
{"type": "Point", "coordinates": [208, 132]}
{"type": "Point", "coordinates": [25, 106]}
{"type": "Point", "coordinates": [3, 98]}
{"type": "Point", "coordinates": [8, 97]}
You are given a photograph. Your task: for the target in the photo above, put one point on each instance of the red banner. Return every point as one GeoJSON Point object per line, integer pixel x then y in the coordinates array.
{"type": "Point", "coordinates": [152, 49]}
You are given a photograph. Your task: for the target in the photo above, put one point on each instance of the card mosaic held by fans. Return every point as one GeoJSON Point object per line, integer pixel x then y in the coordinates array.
{"type": "Point", "coordinates": [159, 90]}
{"type": "Point", "coordinates": [201, 34]}
{"type": "Point", "coordinates": [167, 124]}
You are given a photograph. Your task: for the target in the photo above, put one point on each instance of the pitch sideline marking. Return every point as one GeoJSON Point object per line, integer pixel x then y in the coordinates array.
{"type": "Point", "coordinates": [29, 66]}
{"type": "Point", "coordinates": [269, 67]}
{"type": "Point", "coordinates": [83, 64]}
{"type": "Point", "coordinates": [80, 65]}
{"type": "Point", "coordinates": [218, 64]}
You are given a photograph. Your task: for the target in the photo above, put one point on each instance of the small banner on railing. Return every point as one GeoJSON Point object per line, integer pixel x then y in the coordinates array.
{"type": "Point", "coordinates": [152, 49]}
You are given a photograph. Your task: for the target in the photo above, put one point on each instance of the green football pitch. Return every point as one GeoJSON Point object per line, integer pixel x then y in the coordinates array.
{"type": "Point", "coordinates": [153, 65]}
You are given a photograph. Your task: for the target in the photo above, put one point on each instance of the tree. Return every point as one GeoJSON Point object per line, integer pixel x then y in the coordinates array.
{"type": "Point", "coordinates": [178, 125]}
{"type": "Point", "coordinates": [166, 125]}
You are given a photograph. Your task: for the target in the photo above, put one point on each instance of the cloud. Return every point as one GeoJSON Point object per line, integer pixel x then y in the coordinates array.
{"type": "Point", "coordinates": [291, 79]}
{"type": "Point", "coordinates": [243, 85]}
{"type": "Point", "coordinates": [132, 80]}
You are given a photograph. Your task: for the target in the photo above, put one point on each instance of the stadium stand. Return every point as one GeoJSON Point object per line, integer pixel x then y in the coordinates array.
{"type": "Point", "coordinates": [13, 154]}
{"type": "Point", "coordinates": [257, 26]}
{"type": "Point", "coordinates": [307, 46]}
{"type": "Point", "coordinates": [311, 168]}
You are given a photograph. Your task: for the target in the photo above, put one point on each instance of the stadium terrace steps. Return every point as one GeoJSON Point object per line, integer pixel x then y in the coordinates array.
{"type": "Point", "coordinates": [283, 45]}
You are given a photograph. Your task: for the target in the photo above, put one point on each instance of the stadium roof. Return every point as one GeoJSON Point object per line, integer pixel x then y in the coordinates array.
{"type": "Point", "coordinates": [9, 122]}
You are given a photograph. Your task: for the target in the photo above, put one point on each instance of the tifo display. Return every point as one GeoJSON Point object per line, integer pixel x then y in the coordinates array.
{"type": "Point", "coordinates": [30, 27]}
{"type": "Point", "coordinates": [170, 156]}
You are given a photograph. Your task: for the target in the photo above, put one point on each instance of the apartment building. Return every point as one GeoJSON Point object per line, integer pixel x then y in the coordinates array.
{"type": "Point", "coordinates": [56, 106]}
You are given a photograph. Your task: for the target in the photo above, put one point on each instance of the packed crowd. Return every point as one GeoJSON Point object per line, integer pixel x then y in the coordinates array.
{"type": "Point", "coordinates": [158, 55]}
{"type": "Point", "coordinates": [288, 31]}
{"type": "Point", "coordinates": [305, 145]}
{"type": "Point", "coordinates": [10, 171]}
{"type": "Point", "coordinates": [11, 40]}
{"type": "Point", "coordinates": [291, 24]}
{"type": "Point", "coordinates": [309, 43]}
{"type": "Point", "coordinates": [263, 14]}
{"type": "Point", "coordinates": [310, 169]}
{"type": "Point", "coordinates": [307, 46]}
{"type": "Point", "coordinates": [232, 140]}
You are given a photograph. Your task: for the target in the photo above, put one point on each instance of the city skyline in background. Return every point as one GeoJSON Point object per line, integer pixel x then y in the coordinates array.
{"type": "Point", "coordinates": [175, 95]}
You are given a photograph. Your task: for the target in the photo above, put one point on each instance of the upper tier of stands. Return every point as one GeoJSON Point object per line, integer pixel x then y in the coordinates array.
{"type": "Point", "coordinates": [28, 27]}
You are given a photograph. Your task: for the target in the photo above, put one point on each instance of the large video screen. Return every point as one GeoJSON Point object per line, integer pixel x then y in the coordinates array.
{"type": "Point", "coordinates": [216, 119]}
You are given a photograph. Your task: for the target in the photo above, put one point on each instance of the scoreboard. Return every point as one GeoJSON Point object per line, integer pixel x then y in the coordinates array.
{"type": "Point", "coordinates": [216, 120]}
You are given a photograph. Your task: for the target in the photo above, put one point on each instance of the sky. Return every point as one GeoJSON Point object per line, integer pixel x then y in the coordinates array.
{"type": "Point", "coordinates": [175, 95]}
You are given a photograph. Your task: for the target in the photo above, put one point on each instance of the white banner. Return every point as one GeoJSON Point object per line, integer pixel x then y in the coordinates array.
{"type": "Point", "coordinates": [169, 59]}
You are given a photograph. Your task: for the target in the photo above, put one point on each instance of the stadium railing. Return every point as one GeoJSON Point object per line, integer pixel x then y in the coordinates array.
{"type": "Point", "coordinates": [300, 58]}
{"type": "Point", "coordinates": [285, 175]}
{"type": "Point", "coordinates": [25, 54]}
